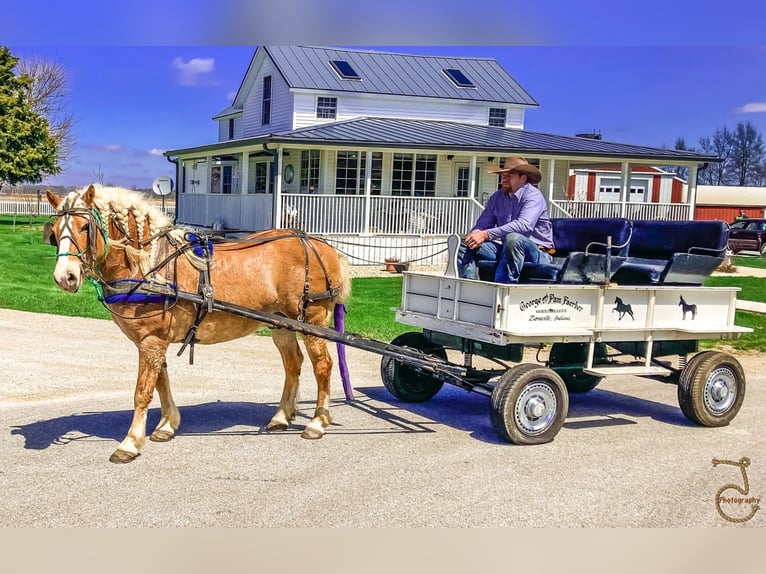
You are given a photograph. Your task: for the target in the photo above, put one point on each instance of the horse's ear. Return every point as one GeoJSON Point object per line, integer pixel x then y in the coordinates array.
{"type": "Point", "coordinates": [89, 195]}
{"type": "Point", "coordinates": [53, 199]}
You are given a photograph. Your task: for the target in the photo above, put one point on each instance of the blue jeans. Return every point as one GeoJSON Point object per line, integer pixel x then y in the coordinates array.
{"type": "Point", "coordinates": [510, 257]}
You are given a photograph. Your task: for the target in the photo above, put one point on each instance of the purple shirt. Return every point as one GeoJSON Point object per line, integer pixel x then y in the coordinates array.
{"type": "Point", "coordinates": [523, 212]}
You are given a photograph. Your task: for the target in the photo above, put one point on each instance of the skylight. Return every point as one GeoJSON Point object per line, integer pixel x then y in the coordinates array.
{"type": "Point", "coordinates": [344, 70]}
{"type": "Point", "coordinates": [458, 77]}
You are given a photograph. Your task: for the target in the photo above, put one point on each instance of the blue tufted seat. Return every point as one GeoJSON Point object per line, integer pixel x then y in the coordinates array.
{"type": "Point", "coordinates": [581, 247]}
{"type": "Point", "coordinates": [673, 252]}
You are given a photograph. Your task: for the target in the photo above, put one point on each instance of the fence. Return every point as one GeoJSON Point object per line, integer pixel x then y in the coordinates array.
{"type": "Point", "coordinates": [34, 207]}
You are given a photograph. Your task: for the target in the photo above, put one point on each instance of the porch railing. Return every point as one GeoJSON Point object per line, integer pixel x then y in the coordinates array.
{"type": "Point", "coordinates": [347, 214]}
{"type": "Point", "coordinates": [581, 209]}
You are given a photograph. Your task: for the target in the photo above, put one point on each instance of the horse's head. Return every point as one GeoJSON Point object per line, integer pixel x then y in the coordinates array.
{"type": "Point", "coordinates": [79, 236]}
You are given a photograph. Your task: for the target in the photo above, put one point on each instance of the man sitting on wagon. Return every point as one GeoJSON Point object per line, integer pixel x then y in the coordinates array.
{"type": "Point", "coordinates": [514, 227]}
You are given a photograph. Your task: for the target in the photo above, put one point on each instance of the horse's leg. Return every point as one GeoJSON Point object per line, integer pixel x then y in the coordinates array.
{"type": "Point", "coordinates": [322, 362]}
{"type": "Point", "coordinates": [292, 359]}
{"type": "Point", "coordinates": [171, 418]}
{"type": "Point", "coordinates": [151, 358]}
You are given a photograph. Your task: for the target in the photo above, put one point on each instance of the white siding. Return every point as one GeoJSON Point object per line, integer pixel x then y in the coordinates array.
{"type": "Point", "coordinates": [281, 104]}
{"type": "Point", "coordinates": [360, 105]}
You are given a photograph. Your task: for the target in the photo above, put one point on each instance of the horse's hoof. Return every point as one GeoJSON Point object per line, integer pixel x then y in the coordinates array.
{"type": "Point", "coordinates": [276, 426]}
{"type": "Point", "coordinates": [312, 433]}
{"type": "Point", "coordinates": [121, 457]}
{"type": "Point", "coordinates": [161, 436]}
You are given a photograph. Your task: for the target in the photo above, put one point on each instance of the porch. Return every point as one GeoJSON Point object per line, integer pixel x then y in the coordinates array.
{"type": "Point", "coordinates": [370, 229]}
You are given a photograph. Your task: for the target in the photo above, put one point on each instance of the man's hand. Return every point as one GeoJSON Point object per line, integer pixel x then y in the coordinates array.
{"type": "Point", "coordinates": [474, 239]}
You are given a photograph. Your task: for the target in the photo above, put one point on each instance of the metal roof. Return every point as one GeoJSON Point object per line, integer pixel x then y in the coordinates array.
{"type": "Point", "coordinates": [397, 74]}
{"type": "Point", "coordinates": [456, 136]}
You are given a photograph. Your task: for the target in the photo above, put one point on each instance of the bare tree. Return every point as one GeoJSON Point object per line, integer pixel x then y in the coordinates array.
{"type": "Point", "coordinates": [748, 153]}
{"type": "Point", "coordinates": [721, 145]}
{"type": "Point", "coordinates": [99, 175]}
{"type": "Point", "coordinates": [48, 95]}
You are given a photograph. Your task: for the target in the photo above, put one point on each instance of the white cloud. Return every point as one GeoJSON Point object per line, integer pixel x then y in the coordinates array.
{"type": "Point", "coordinates": [752, 108]}
{"type": "Point", "coordinates": [189, 72]}
{"type": "Point", "coordinates": [113, 147]}
{"type": "Point", "coordinates": [231, 95]}
{"type": "Point", "coordinates": [155, 151]}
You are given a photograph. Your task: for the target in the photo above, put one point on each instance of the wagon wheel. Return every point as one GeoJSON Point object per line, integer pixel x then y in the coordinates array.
{"type": "Point", "coordinates": [407, 383]}
{"type": "Point", "coordinates": [567, 359]}
{"type": "Point", "coordinates": [762, 250]}
{"type": "Point", "coordinates": [711, 389]}
{"type": "Point", "coordinates": [529, 405]}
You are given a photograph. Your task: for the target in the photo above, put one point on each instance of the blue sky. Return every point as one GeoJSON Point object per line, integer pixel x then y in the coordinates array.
{"type": "Point", "coordinates": [644, 75]}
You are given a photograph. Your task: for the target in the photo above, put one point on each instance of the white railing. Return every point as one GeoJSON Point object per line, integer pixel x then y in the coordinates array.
{"type": "Point", "coordinates": [43, 208]}
{"type": "Point", "coordinates": [582, 209]}
{"type": "Point", "coordinates": [25, 207]}
{"type": "Point", "coordinates": [348, 214]}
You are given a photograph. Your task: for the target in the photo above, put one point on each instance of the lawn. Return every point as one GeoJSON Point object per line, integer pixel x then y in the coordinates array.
{"type": "Point", "coordinates": [26, 284]}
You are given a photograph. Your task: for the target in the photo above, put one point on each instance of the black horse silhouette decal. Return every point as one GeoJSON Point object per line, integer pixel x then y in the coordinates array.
{"type": "Point", "coordinates": [688, 308]}
{"type": "Point", "coordinates": [623, 309]}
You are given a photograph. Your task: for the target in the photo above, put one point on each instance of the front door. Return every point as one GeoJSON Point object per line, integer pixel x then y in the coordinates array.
{"type": "Point", "coordinates": [462, 180]}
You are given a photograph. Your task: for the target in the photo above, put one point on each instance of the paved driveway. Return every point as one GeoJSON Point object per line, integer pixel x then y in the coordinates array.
{"type": "Point", "coordinates": [625, 457]}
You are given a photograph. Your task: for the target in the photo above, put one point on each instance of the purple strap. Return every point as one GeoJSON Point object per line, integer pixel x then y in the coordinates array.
{"type": "Point", "coordinates": [339, 315]}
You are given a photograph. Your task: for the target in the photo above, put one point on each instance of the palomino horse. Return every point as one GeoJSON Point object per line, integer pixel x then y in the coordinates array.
{"type": "Point", "coordinates": [116, 238]}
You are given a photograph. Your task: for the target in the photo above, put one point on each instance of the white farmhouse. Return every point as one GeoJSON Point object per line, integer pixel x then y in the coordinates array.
{"type": "Point", "coordinates": [392, 150]}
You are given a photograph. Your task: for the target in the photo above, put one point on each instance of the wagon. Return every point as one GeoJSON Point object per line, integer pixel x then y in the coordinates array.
{"type": "Point", "coordinates": [590, 331]}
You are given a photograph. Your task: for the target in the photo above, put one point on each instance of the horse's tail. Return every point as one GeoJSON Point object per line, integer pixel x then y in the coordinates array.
{"type": "Point", "coordinates": [344, 287]}
{"type": "Point", "coordinates": [339, 318]}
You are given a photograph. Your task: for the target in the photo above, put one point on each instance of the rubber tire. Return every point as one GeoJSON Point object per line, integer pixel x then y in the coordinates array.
{"type": "Point", "coordinates": [577, 381]}
{"type": "Point", "coordinates": [696, 376]}
{"type": "Point", "coordinates": [406, 383]}
{"type": "Point", "coordinates": [511, 388]}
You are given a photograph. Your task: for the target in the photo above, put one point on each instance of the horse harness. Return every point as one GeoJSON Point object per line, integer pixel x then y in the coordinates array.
{"type": "Point", "coordinates": [155, 289]}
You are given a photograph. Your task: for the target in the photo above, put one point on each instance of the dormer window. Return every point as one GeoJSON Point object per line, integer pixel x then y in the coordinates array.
{"type": "Point", "coordinates": [327, 108]}
{"type": "Point", "coordinates": [344, 70]}
{"type": "Point", "coordinates": [458, 78]}
{"type": "Point", "coordinates": [497, 117]}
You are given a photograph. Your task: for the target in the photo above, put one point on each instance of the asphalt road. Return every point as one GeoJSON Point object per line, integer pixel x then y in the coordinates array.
{"type": "Point", "coordinates": [625, 457]}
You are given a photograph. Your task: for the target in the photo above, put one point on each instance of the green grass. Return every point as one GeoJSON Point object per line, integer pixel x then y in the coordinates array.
{"type": "Point", "coordinates": [26, 284]}
{"type": "Point", "coordinates": [755, 261]}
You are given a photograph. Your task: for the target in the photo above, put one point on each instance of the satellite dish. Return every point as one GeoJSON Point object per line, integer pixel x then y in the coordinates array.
{"type": "Point", "coordinates": [162, 186]}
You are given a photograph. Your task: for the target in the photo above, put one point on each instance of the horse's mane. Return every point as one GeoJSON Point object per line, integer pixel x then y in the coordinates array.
{"type": "Point", "coordinates": [116, 204]}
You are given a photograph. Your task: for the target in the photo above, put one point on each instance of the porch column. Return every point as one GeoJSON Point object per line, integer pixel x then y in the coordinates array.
{"type": "Point", "coordinates": [624, 188]}
{"type": "Point", "coordinates": [367, 191]}
{"type": "Point", "coordinates": [277, 215]}
{"type": "Point", "coordinates": [551, 177]}
{"type": "Point", "coordinates": [472, 179]}
{"type": "Point", "coordinates": [208, 191]}
{"type": "Point", "coordinates": [244, 175]}
{"type": "Point", "coordinates": [692, 186]}
{"type": "Point", "coordinates": [244, 172]}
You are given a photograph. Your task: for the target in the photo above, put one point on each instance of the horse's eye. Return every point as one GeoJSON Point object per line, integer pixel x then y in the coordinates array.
{"type": "Point", "coordinates": [85, 228]}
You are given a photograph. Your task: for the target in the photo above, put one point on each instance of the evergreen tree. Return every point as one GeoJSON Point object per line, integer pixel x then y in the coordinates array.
{"type": "Point", "coordinates": [27, 150]}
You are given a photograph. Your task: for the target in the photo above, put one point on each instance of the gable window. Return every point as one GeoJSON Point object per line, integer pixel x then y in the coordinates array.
{"type": "Point", "coordinates": [327, 108]}
{"type": "Point", "coordinates": [350, 170]}
{"type": "Point", "coordinates": [497, 117]}
{"type": "Point", "coordinates": [414, 174]}
{"type": "Point", "coordinates": [309, 170]}
{"type": "Point", "coordinates": [458, 78]}
{"type": "Point", "coordinates": [266, 101]}
{"type": "Point", "coordinates": [344, 70]}
{"type": "Point", "coordinates": [231, 128]}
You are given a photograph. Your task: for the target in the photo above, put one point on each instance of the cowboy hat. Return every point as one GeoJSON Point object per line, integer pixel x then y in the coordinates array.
{"type": "Point", "coordinates": [516, 163]}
